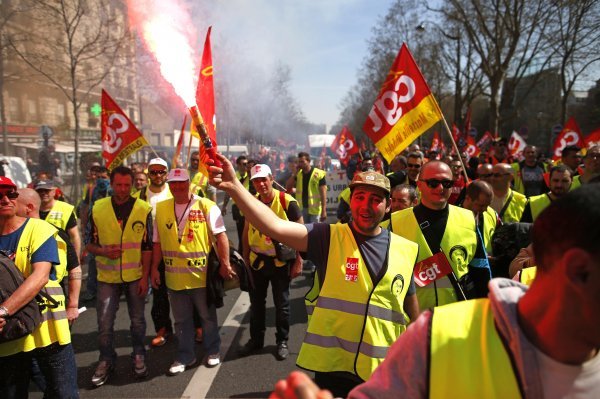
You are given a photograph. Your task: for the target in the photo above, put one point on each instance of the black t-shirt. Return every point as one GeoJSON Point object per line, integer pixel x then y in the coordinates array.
{"type": "Point", "coordinates": [433, 225]}
{"type": "Point", "coordinates": [72, 259]}
{"type": "Point", "coordinates": [373, 249]}
{"type": "Point", "coordinates": [72, 222]}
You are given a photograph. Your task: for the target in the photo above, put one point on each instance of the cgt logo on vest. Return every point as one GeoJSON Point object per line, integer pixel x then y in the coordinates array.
{"type": "Point", "coordinates": [433, 268]}
{"type": "Point", "coordinates": [351, 269]}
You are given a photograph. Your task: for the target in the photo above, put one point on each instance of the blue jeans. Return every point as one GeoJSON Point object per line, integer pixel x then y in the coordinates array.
{"type": "Point", "coordinates": [309, 218]}
{"type": "Point", "coordinates": [57, 364]}
{"type": "Point", "coordinates": [91, 284]}
{"type": "Point", "coordinates": [107, 304]}
{"type": "Point", "coordinates": [183, 305]}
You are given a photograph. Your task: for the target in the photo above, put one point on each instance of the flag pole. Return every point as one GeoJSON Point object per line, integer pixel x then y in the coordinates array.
{"type": "Point", "coordinates": [452, 139]}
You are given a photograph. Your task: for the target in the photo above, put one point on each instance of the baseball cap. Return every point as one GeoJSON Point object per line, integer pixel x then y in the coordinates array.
{"type": "Point", "coordinates": [370, 178]}
{"type": "Point", "coordinates": [178, 175]}
{"type": "Point", "coordinates": [260, 170]}
{"type": "Point", "coordinates": [6, 182]}
{"type": "Point", "coordinates": [158, 161]}
{"type": "Point", "coordinates": [45, 185]}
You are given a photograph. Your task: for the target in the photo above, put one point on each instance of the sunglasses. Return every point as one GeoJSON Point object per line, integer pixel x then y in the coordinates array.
{"type": "Point", "coordinates": [11, 195]}
{"type": "Point", "coordinates": [486, 175]}
{"type": "Point", "coordinates": [501, 174]}
{"type": "Point", "coordinates": [157, 172]}
{"type": "Point", "coordinates": [433, 183]}
{"type": "Point", "coordinates": [414, 165]}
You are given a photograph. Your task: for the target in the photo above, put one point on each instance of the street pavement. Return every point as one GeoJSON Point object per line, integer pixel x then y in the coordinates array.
{"type": "Point", "coordinates": [250, 377]}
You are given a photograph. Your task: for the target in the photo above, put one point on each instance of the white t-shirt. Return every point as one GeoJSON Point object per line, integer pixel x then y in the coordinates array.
{"type": "Point", "coordinates": [567, 381]}
{"type": "Point", "coordinates": [214, 219]}
{"type": "Point", "coordinates": [154, 198]}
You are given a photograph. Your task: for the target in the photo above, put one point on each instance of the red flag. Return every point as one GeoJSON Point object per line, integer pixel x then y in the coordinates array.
{"type": "Point", "coordinates": [455, 133]}
{"type": "Point", "coordinates": [120, 137]}
{"type": "Point", "coordinates": [433, 268]}
{"type": "Point", "coordinates": [344, 145]}
{"type": "Point", "coordinates": [593, 138]}
{"type": "Point", "coordinates": [516, 145]}
{"type": "Point", "coordinates": [404, 108]}
{"type": "Point", "coordinates": [485, 140]}
{"type": "Point", "coordinates": [436, 142]}
{"type": "Point", "coordinates": [205, 99]}
{"type": "Point", "coordinates": [179, 147]}
{"type": "Point", "coordinates": [570, 135]}
{"type": "Point", "coordinates": [467, 127]}
{"type": "Point", "coordinates": [472, 149]}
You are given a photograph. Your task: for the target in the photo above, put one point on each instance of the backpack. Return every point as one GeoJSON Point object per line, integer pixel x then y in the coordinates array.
{"type": "Point", "coordinates": [26, 319]}
{"type": "Point", "coordinates": [507, 241]}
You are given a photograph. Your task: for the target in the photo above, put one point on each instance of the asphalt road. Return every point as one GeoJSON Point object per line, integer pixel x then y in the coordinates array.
{"type": "Point", "coordinates": [250, 377]}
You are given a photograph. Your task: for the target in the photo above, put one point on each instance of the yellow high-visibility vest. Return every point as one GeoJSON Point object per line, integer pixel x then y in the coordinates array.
{"type": "Point", "coordinates": [60, 214]}
{"type": "Point", "coordinates": [314, 197]}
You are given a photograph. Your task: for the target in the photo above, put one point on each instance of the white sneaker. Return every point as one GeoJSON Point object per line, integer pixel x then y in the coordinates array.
{"type": "Point", "coordinates": [213, 360]}
{"type": "Point", "coordinates": [102, 373]}
{"type": "Point", "coordinates": [178, 367]}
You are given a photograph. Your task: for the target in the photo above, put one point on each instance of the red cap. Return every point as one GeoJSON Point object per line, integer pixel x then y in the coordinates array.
{"type": "Point", "coordinates": [5, 181]}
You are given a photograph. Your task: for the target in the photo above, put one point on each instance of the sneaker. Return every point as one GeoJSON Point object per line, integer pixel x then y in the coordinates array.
{"type": "Point", "coordinates": [199, 335]}
{"type": "Point", "coordinates": [161, 337]}
{"type": "Point", "coordinates": [250, 347]}
{"type": "Point", "coordinates": [87, 296]}
{"type": "Point", "coordinates": [282, 351]}
{"type": "Point", "coordinates": [102, 372]}
{"type": "Point", "coordinates": [139, 366]}
{"type": "Point", "coordinates": [178, 367]}
{"type": "Point", "coordinates": [213, 360]}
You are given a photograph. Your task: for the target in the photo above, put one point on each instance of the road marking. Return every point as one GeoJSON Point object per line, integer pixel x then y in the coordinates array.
{"type": "Point", "coordinates": [203, 378]}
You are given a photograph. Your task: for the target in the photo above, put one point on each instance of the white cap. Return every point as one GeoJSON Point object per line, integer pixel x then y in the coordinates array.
{"type": "Point", "coordinates": [260, 170]}
{"type": "Point", "coordinates": [178, 175]}
{"type": "Point", "coordinates": [158, 161]}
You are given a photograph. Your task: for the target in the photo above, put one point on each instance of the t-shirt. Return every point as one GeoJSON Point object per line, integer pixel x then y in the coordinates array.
{"type": "Point", "coordinates": [372, 248]}
{"type": "Point", "coordinates": [47, 252]}
{"type": "Point", "coordinates": [533, 180]}
{"type": "Point", "coordinates": [154, 198]}
{"type": "Point", "coordinates": [72, 222]}
{"type": "Point", "coordinates": [214, 218]}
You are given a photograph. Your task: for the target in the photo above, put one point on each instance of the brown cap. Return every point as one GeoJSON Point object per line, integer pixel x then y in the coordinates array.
{"type": "Point", "coordinates": [371, 179]}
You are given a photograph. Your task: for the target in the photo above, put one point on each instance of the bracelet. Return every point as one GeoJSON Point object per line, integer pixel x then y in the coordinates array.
{"type": "Point", "coordinates": [4, 312]}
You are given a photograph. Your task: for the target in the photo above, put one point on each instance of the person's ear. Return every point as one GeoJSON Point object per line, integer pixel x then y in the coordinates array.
{"type": "Point", "coordinates": [578, 265]}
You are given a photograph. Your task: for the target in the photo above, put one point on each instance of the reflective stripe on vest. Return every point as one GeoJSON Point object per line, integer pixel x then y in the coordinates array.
{"type": "Point", "coordinates": [537, 204]}
{"type": "Point", "coordinates": [467, 356]}
{"type": "Point", "coordinates": [314, 197]}
{"type": "Point", "coordinates": [128, 266]}
{"type": "Point", "coordinates": [514, 210]}
{"type": "Point", "coordinates": [355, 322]}
{"type": "Point", "coordinates": [262, 244]}
{"type": "Point", "coordinates": [185, 261]}
{"type": "Point", "coordinates": [60, 214]}
{"type": "Point", "coordinates": [53, 328]}
{"type": "Point", "coordinates": [459, 244]}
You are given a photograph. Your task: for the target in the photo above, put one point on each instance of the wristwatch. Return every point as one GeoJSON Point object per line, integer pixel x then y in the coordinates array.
{"type": "Point", "coordinates": [4, 312]}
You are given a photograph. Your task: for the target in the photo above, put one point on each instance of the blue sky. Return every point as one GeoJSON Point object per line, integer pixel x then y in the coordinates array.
{"type": "Point", "coordinates": [324, 42]}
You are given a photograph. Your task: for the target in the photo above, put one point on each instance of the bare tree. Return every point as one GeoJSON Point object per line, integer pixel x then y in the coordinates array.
{"type": "Point", "coordinates": [574, 42]}
{"type": "Point", "coordinates": [84, 41]}
{"type": "Point", "coordinates": [508, 38]}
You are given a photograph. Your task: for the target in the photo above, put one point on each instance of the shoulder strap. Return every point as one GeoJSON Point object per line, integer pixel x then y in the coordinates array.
{"type": "Point", "coordinates": [282, 201]}
{"type": "Point", "coordinates": [510, 197]}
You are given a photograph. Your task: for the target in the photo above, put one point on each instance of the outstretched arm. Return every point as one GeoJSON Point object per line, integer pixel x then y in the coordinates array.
{"type": "Point", "coordinates": [258, 214]}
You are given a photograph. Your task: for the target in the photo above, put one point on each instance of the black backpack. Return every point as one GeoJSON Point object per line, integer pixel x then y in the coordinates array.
{"type": "Point", "coordinates": [507, 241]}
{"type": "Point", "coordinates": [26, 319]}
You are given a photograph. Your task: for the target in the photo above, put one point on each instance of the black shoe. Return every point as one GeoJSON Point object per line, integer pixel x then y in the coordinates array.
{"type": "Point", "coordinates": [282, 351]}
{"type": "Point", "coordinates": [249, 347]}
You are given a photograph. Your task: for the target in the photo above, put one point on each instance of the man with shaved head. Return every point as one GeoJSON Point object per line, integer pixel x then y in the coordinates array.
{"type": "Point", "coordinates": [508, 203]}
{"type": "Point", "coordinates": [478, 198]}
{"type": "Point", "coordinates": [484, 172]}
{"type": "Point", "coordinates": [440, 227]}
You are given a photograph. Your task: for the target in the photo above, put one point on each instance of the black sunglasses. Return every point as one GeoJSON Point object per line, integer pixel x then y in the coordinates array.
{"type": "Point", "coordinates": [157, 172]}
{"type": "Point", "coordinates": [486, 175]}
{"type": "Point", "coordinates": [501, 174]}
{"type": "Point", "coordinates": [433, 183]}
{"type": "Point", "coordinates": [11, 195]}
{"type": "Point", "coordinates": [414, 165]}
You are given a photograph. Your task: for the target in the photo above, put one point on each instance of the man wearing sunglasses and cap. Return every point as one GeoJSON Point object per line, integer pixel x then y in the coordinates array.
{"type": "Point", "coordinates": [360, 301]}
{"type": "Point", "coordinates": [31, 243]}
{"type": "Point", "coordinates": [445, 233]}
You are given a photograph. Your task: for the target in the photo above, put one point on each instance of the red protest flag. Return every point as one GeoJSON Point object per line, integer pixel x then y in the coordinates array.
{"type": "Point", "coordinates": [467, 127]}
{"type": "Point", "coordinates": [593, 138]}
{"type": "Point", "coordinates": [485, 141]}
{"type": "Point", "coordinates": [120, 137]}
{"type": "Point", "coordinates": [570, 135]}
{"type": "Point", "coordinates": [472, 149]}
{"type": "Point", "coordinates": [516, 145]}
{"type": "Point", "coordinates": [404, 108]}
{"type": "Point", "coordinates": [205, 100]}
{"type": "Point", "coordinates": [436, 142]}
{"type": "Point", "coordinates": [344, 145]}
{"type": "Point", "coordinates": [179, 147]}
{"type": "Point", "coordinates": [433, 268]}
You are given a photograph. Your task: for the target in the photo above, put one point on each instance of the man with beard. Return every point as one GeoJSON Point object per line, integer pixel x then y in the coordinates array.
{"type": "Point", "coordinates": [360, 301]}
{"type": "Point", "coordinates": [560, 183]}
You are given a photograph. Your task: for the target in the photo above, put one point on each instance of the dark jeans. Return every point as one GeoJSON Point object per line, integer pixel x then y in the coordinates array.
{"type": "Point", "coordinates": [280, 286]}
{"type": "Point", "coordinates": [160, 303]}
{"type": "Point", "coordinates": [57, 364]}
{"type": "Point", "coordinates": [91, 284]}
{"type": "Point", "coordinates": [239, 224]}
